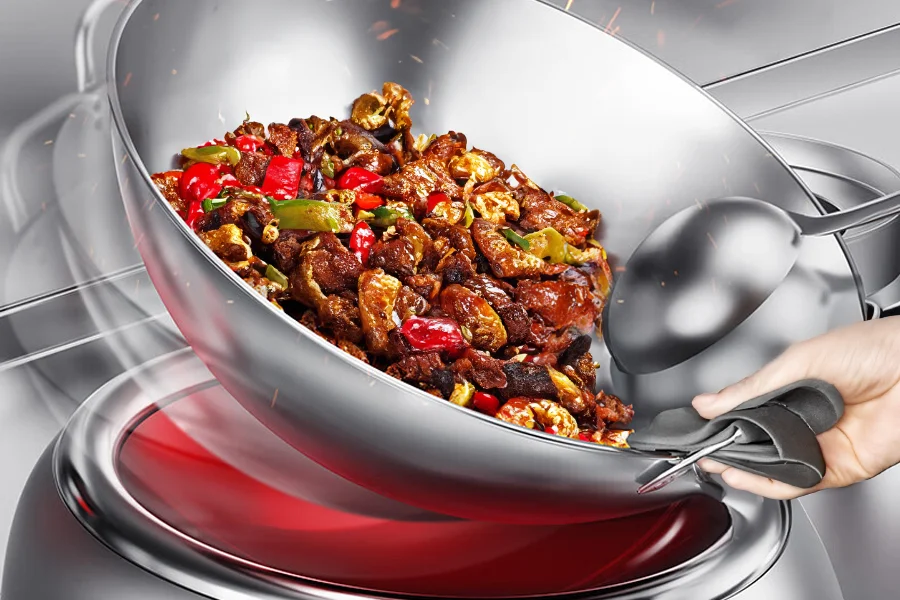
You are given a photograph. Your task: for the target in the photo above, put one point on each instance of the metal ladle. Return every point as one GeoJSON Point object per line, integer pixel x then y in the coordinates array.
{"type": "Point", "coordinates": [706, 269]}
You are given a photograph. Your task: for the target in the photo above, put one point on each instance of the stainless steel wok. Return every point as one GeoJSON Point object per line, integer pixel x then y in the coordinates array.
{"type": "Point", "coordinates": [576, 109]}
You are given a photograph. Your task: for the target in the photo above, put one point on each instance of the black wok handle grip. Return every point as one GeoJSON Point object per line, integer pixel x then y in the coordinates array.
{"type": "Point", "coordinates": [778, 432]}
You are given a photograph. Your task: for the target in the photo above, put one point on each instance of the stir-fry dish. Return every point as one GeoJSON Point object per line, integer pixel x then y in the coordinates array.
{"type": "Point", "coordinates": [432, 261]}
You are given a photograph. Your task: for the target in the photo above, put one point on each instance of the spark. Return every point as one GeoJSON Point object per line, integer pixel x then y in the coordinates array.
{"type": "Point", "coordinates": [569, 4]}
{"type": "Point", "coordinates": [725, 3]}
{"type": "Point", "coordinates": [613, 20]}
{"type": "Point", "coordinates": [713, 241]}
{"type": "Point", "coordinates": [416, 58]}
{"type": "Point", "coordinates": [395, 3]}
{"type": "Point", "coordinates": [274, 398]}
{"type": "Point", "coordinates": [48, 143]}
{"type": "Point", "coordinates": [127, 80]}
{"type": "Point", "coordinates": [620, 301]}
{"type": "Point", "coordinates": [387, 34]}
{"type": "Point", "coordinates": [379, 26]}
{"type": "Point", "coordinates": [614, 31]}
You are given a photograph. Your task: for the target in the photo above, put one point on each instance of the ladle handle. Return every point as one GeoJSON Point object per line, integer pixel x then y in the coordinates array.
{"type": "Point", "coordinates": [874, 210]}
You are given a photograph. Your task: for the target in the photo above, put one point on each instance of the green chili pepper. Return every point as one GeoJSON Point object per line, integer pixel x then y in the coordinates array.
{"type": "Point", "coordinates": [327, 168]}
{"type": "Point", "coordinates": [385, 216]}
{"type": "Point", "coordinates": [548, 243]}
{"type": "Point", "coordinates": [517, 239]}
{"type": "Point", "coordinates": [276, 276]}
{"type": "Point", "coordinates": [469, 215]}
{"type": "Point", "coordinates": [312, 215]}
{"type": "Point", "coordinates": [214, 155]}
{"type": "Point", "coordinates": [572, 203]}
{"type": "Point", "coordinates": [210, 205]}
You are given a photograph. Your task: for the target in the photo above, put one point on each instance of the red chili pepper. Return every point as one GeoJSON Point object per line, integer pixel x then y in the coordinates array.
{"type": "Point", "coordinates": [368, 201]}
{"type": "Point", "coordinates": [282, 180]}
{"type": "Point", "coordinates": [551, 429]}
{"type": "Point", "coordinates": [200, 182]}
{"type": "Point", "coordinates": [585, 436]}
{"type": "Point", "coordinates": [195, 211]}
{"type": "Point", "coordinates": [433, 334]}
{"type": "Point", "coordinates": [229, 180]}
{"type": "Point", "coordinates": [248, 143]}
{"type": "Point", "coordinates": [436, 198]}
{"type": "Point", "coordinates": [176, 174]}
{"type": "Point", "coordinates": [486, 403]}
{"type": "Point", "coordinates": [361, 240]}
{"type": "Point", "coordinates": [356, 178]}
{"type": "Point", "coordinates": [214, 142]}
{"type": "Point", "coordinates": [330, 184]}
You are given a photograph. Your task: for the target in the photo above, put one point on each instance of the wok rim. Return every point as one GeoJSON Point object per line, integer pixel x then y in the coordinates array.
{"type": "Point", "coordinates": [121, 129]}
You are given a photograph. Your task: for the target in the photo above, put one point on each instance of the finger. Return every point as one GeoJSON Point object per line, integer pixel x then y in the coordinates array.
{"type": "Point", "coordinates": [762, 486]}
{"type": "Point", "coordinates": [791, 366]}
{"type": "Point", "coordinates": [711, 466]}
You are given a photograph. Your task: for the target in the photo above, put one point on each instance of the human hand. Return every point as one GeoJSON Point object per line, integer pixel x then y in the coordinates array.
{"type": "Point", "coordinates": [863, 362]}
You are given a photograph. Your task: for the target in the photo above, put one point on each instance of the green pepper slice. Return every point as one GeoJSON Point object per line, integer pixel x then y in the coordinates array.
{"type": "Point", "coordinates": [276, 276]}
{"type": "Point", "coordinates": [386, 216]}
{"type": "Point", "coordinates": [548, 243]}
{"type": "Point", "coordinates": [517, 239]}
{"type": "Point", "coordinates": [214, 155]}
{"type": "Point", "coordinates": [572, 203]}
{"type": "Point", "coordinates": [469, 215]}
{"type": "Point", "coordinates": [327, 168]}
{"type": "Point", "coordinates": [210, 205]}
{"type": "Point", "coordinates": [312, 215]}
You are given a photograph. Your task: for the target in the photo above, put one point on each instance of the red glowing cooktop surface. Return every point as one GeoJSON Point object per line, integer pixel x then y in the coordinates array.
{"type": "Point", "coordinates": [207, 498]}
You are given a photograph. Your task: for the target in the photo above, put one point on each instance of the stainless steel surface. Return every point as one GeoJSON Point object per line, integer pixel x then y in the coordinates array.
{"type": "Point", "coordinates": [86, 474]}
{"type": "Point", "coordinates": [424, 464]}
{"type": "Point", "coordinates": [860, 116]}
{"type": "Point", "coordinates": [680, 468]}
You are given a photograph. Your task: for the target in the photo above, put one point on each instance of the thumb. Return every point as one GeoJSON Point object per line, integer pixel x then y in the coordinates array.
{"type": "Point", "coordinates": [791, 366]}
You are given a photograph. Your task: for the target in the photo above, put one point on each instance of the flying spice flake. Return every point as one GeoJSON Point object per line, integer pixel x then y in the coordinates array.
{"type": "Point", "coordinates": [395, 3]}
{"type": "Point", "coordinates": [156, 17]}
{"type": "Point", "coordinates": [383, 36]}
{"type": "Point", "coordinates": [427, 101]}
{"type": "Point", "coordinates": [274, 398]}
{"type": "Point", "coordinates": [380, 26]}
{"type": "Point", "coordinates": [416, 58]}
{"type": "Point", "coordinates": [48, 143]}
{"type": "Point", "coordinates": [660, 38]}
{"type": "Point", "coordinates": [174, 71]}
{"type": "Point", "coordinates": [438, 42]}
{"type": "Point", "coordinates": [127, 80]}
{"type": "Point", "coordinates": [609, 26]}
{"type": "Point", "coordinates": [653, 7]}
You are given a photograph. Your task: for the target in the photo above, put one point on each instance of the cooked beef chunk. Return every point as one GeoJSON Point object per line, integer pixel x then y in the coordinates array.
{"type": "Point", "coordinates": [417, 180]}
{"type": "Point", "coordinates": [371, 160]}
{"type": "Point", "coordinates": [446, 147]}
{"type": "Point", "coordinates": [560, 304]}
{"type": "Point", "coordinates": [513, 314]}
{"type": "Point", "coordinates": [283, 138]}
{"type": "Point", "coordinates": [410, 304]}
{"type": "Point", "coordinates": [341, 316]}
{"type": "Point", "coordinates": [252, 168]}
{"type": "Point", "coordinates": [456, 268]}
{"type": "Point", "coordinates": [417, 368]}
{"type": "Point", "coordinates": [168, 185]}
{"type": "Point", "coordinates": [378, 294]}
{"type": "Point", "coordinates": [612, 410]}
{"type": "Point", "coordinates": [457, 235]}
{"type": "Point", "coordinates": [286, 249]}
{"type": "Point", "coordinates": [443, 380]}
{"type": "Point", "coordinates": [481, 368]}
{"type": "Point", "coordinates": [526, 379]}
{"type": "Point", "coordinates": [475, 314]}
{"type": "Point", "coordinates": [540, 210]}
{"type": "Point", "coordinates": [427, 285]}
{"type": "Point", "coordinates": [505, 259]}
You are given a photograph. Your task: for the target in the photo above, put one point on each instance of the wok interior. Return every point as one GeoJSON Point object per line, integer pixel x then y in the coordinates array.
{"type": "Point", "coordinates": [576, 109]}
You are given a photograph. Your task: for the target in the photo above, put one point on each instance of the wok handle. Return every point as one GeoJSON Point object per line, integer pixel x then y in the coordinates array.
{"type": "Point", "coordinates": [85, 39]}
{"type": "Point", "coordinates": [874, 210]}
{"type": "Point", "coordinates": [773, 435]}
